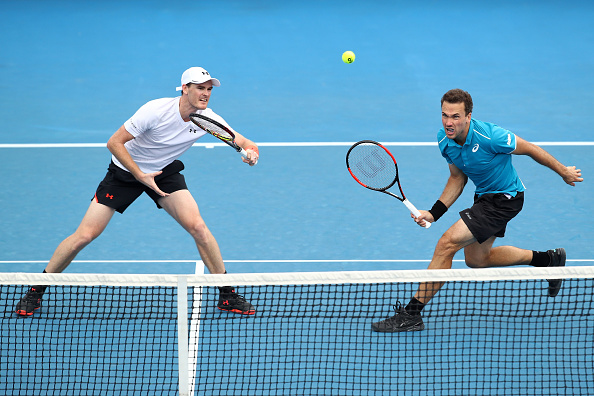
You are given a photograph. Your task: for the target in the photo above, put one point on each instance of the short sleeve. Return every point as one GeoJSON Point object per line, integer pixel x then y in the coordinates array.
{"type": "Point", "coordinates": [502, 140]}
{"type": "Point", "coordinates": [209, 113]}
{"type": "Point", "coordinates": [143, 120]}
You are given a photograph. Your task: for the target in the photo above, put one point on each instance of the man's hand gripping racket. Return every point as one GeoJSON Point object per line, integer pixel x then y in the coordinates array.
{"type": "Point", "coordinates": [221, 132]}
{"type": "Point", "coordinates": [374, 167]}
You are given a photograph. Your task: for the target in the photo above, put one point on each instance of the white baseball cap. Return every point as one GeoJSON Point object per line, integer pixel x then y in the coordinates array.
{"type": "Point", "coordinates": [197, 75]}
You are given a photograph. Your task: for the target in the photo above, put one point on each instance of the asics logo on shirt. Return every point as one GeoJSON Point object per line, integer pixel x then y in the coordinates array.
{"type": "Point", "coordinates": [475, 148]}
{"type": "Point", "coordinates": [508, 139]}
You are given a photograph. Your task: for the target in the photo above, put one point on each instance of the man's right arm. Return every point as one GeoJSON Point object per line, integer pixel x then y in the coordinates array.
{"type": "Point", "coordinates": [452, 190]}
{"type": "Point", "coordinates": [454, 186]}
{"type": "Point", "coordinates": [116, 145]}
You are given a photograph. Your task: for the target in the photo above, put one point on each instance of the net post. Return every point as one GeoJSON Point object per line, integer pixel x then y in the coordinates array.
{"type": "Point", "coordinates": [182, 335]}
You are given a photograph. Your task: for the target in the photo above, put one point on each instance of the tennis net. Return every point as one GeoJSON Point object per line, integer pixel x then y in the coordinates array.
{"type": "Point", "coordinates": [487, 332]}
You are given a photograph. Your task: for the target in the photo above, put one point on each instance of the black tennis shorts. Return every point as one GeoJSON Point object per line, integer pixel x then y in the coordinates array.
{"type": "Point", "coordinates": [119, 188]}
{"type": "Point", "coordinates": [490, 214]}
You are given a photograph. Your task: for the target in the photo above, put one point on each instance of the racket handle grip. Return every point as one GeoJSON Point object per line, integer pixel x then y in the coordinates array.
{"type": "Point", "coordinates": [244, 154]}
{"type": "Point", "coordinates": [415, 211]}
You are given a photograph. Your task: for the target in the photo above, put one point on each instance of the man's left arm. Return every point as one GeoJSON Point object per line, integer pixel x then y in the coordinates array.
{"type": "Point", "coordinates": [569, 173]}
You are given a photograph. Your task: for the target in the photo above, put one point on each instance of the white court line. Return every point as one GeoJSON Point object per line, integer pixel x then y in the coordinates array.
{"type": "Point", "coordinates": [99, 261]}
{"type": "Point", "coordinates": [247, 261]}
{"type": "Point", "coordinates": [267, 144]}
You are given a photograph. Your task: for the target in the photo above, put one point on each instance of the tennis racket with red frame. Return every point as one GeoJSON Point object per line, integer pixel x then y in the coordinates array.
{"type": "Point", "coordinates": [217, 130]}
{"type": "Point", "coordinates": [375, 168]}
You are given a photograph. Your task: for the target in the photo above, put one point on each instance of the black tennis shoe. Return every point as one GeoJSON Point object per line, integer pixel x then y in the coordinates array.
{"type": "Point", "coordinates": [233, 302]}
{"type": "Point", "coordinates": [402, 321]}
{"type": "Point", "coordinates": [29, 303]}
{"type": "Point", "coordinates": [558, 257]}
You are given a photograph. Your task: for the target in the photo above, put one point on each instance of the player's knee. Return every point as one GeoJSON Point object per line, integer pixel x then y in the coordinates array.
{"type": "Point", "coordinates": [82, 238]}
{"type": "Point", "coordinates": [472, 263]}
{"type": "Point", "coordinates": [199, 232]}
{"type": "Point", "coordinates": [476, 261]}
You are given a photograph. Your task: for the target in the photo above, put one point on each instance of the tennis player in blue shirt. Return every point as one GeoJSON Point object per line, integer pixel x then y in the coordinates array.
{"type": "Point", "coordinates": [479, 151]}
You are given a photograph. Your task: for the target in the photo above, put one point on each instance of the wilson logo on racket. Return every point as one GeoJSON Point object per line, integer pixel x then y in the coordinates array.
{"type": "Point", "coordinates": [372, 165]}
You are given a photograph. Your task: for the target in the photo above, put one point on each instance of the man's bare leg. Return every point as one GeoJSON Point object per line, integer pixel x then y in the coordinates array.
{"type": "Point", "coordinates": [91, 226]}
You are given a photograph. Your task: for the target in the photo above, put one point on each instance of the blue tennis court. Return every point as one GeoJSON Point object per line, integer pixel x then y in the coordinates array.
{"type": "Point", "coordinates": [73, 72]}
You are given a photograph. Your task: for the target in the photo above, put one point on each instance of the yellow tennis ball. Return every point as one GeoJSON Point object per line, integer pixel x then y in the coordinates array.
{"type": "Point", "coordinates": [348, 57]}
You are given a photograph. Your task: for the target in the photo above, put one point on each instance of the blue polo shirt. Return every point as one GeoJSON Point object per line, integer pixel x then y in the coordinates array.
{"type": "Point", "coordinates": [485, 157]}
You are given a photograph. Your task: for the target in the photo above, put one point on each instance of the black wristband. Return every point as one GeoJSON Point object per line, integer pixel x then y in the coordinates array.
{"type": "Point", "coordinates": [438, 210]}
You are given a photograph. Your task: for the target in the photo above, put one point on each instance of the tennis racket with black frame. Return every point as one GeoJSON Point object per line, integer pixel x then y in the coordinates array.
{"type": "Point", "coordinates": [217, 130]}
{"type": "Point", "coordinates": [375, 168]}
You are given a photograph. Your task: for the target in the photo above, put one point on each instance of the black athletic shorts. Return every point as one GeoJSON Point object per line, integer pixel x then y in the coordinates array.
{"type": "Point", "coordinates": [119, 188]}
{"type": "Point", "coordinates": [490, 214]}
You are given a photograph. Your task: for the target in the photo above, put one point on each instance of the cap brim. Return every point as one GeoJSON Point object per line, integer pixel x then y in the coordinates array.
{"type": "Point", "coordinates": [215, 83]}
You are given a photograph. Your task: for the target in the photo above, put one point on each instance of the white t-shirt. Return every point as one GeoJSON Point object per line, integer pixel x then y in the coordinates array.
{"type": "Point", "coordinates": [160, 134]}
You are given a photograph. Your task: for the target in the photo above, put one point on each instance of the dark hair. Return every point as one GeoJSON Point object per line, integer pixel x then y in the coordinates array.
{"type": "Point", "coordinates": [458, 96]}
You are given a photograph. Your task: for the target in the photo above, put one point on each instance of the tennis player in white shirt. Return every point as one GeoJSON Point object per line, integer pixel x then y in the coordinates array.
{"type": "Point", "coordinates": [145, 152]}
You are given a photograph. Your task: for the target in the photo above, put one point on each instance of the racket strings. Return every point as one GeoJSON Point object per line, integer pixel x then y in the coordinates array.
{"type": "Point", "coordinates": [211, 128]}
{"type": "Point", "coordinates": [372, 166]}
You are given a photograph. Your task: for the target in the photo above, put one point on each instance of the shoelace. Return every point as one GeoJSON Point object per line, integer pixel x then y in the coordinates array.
{"type": "Point", "coordinates": [236, 297]}
{"type": "Point", "coordinates": [397, 318]}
